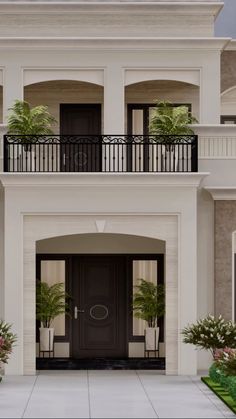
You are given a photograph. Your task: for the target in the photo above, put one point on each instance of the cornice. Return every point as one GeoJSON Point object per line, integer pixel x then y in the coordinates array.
{"type": "Point", "coordinates": [220, 193]}
{"type": "Point", "coordinates": [114, 43]}
{"type": "Point", "coordinates": [218, 130]}
{"type": "Point", "coordinates": [47, 7]}
{"type": "Point", "coordinates": [231, 45]}
{"type": "Point", "coordinates": [101, 179]}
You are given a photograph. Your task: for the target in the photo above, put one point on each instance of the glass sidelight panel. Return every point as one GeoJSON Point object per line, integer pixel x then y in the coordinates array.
{"type": "Point", "coordinates": [137, 122]}
{"type": "Point", "coordinates": [142, 269]}
{"type": "Point", "coordinates": [52, 272]}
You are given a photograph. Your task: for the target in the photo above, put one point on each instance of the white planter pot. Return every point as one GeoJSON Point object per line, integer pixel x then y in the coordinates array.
{"type": "Point", "coordinates": [46, 338]}
{"type": "Point", "coordinates": [151, 338]}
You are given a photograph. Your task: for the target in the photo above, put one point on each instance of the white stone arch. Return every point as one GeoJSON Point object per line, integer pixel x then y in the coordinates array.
{"type": "Point", "coordinates": [181, 75]}
{"type": "Point", "coordinates": [162, 227]}
{"type": "Point", "coordinates": [54, 93]}
{"type": "Point", "coordinates": [32, 76]}
{"type": "Point", "coordinates": [174, 91]}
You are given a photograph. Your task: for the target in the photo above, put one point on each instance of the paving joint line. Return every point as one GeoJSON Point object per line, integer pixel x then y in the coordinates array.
{"type": "Point", "coordinates": [211, 399]}
{"type": "Point", "coordinates": [27, 403]}
{"type": "Point", "coordinates": [146, 393]}
{"type": "Point", "coordinates": [89, 405]}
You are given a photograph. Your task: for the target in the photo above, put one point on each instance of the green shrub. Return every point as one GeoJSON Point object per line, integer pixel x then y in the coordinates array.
{"type": "Point", "coordinates": [232, 387]}
{"type": "Point", "coordinates": [211, 333]}
{"type": "Point", "coordinates": [215, 373]}
{"type": "Point", "coordinates": [224, 380]}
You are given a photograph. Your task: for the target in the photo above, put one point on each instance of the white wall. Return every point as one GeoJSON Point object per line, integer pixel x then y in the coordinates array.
{"type": "Point", "coordinates": [172, 57]}
{"type": "Point", "coordinates": [76, 20]}
{"type": "Point", "coordinates": [134, 204]}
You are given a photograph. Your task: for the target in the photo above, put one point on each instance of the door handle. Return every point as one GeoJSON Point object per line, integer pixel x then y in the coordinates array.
{"type": "Point", "coordinates": [76, 311]}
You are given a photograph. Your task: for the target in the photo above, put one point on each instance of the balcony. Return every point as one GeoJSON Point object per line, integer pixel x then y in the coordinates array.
{"type": "Point", "coordinates": [100, 153]}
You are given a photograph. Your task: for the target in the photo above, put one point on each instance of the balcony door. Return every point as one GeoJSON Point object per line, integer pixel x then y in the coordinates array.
{"type": "Point", "coordinates": [80, 128]}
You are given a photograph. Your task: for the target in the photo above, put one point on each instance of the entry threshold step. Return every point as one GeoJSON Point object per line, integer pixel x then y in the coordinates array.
{"type": "Point", "coordinates": [100, 364]}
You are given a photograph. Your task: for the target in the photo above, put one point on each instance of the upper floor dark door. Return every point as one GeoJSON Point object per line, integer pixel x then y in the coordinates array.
{"type": "Point", "coordinates": [100, 300]}
{"type": "Point", "coordinates": [81, 153]}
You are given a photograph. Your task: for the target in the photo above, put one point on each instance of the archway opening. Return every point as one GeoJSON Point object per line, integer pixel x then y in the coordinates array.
{"type": "Point", "coordinates": [57, 93]}
{"type": "Point", "coordinates": [142, 96]}
{"type": "Point", "coordinates": [101, 273]}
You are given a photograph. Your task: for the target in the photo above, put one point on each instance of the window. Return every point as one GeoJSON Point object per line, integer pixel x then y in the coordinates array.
{"type": "Point", "coordinates": [139, 116]}
{"type": "Point", "coordinates": [150, 268]}
{"type": "Point", "coordinates": [53, 269]}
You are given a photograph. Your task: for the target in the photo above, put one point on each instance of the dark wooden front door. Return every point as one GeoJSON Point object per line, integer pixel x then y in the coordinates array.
{"type": "Point", "coordinates": [99, 299]}
{"type": "Point", "coordinates": [81, 126]}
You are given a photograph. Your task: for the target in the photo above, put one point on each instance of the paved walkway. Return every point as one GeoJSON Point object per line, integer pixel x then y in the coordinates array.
{"type": "Point", "coordinates": [108, 394]}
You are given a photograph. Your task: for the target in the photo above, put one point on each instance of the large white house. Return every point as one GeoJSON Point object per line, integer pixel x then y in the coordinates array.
{"type": "Point", "coordinates": [98, 199]}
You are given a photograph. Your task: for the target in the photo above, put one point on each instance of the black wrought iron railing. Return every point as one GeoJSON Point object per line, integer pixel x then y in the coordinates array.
{"type": "Point", "coordinates": [100, 153]}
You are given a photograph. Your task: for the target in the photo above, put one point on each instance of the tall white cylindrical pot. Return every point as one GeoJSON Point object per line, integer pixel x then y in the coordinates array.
{"type": "Point", "coordinates": [46, 338]}
{"type": "Point", "coordinates": [151, 338]}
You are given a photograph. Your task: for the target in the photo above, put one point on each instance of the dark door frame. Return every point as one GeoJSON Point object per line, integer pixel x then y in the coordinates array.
{"type": "Point", "coordinates": [89, 144]}
{"type": "Point", "coordinates": [97, 106]}
{"type": "Point", "coordinates": [145, 107]}
{"type": "Point", "coordinates": [160, 258]}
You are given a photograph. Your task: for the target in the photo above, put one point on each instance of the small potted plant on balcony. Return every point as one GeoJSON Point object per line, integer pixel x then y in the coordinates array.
{"type": "Point", "coordinates": [169, 123]}
{"type": "Point", "coordinates": [51, 301]}
{"type": "Point", "coordinates": [149, 305]}
{"type": "Point", "coordinates": [26, 123]}
{"type": "Point", "coordinates": [7, 340]}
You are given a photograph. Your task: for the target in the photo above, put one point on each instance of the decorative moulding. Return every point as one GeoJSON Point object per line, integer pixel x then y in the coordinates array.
{"type": "Point", "coordinates": [100, 224]}
{"type": "Point", "coordinates": [102, 179]}
{"type": "Point", "coordinates": [220, 193]}
{"type": "Point", "coordinates": [146, 7]}
{"type": "Point", "coordinates": [221, 130]}
{"type": "Point", "coordinates": [114, 43]}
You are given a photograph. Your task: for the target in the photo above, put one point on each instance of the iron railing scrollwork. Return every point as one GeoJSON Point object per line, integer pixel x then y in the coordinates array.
{"type": "Point", "coordinates": [100, 153]}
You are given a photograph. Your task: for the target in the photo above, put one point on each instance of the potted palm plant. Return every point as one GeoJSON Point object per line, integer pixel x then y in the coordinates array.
{"type": "Point", "coordinates": [149, 305]}
{"type": "Point", "coordinates": [169, 123]}
{"type": "Point", "coordinates": [7, 340]}
{"type": "Point", "coordinates": [51, 301]}
{"type": "Point", "coordinates": [26, 123]}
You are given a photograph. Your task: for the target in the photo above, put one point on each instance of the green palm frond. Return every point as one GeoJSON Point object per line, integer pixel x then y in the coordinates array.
{"type": "Point", "coordinates": [149, 302]}
{"type": "Point", "coordinates": [24, 120]}
{"type": "Point", "coordinates": [167, 119]}
{"type": "Point", "coordinates": [51, 301]}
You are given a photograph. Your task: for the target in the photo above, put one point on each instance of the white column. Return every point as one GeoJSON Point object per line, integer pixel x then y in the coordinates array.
{"type": "Point", "coordinates": [210, 100]}
{"type": "Point", "coordinates": [13, 280]}
{"type": "Point", "coordinates": [13, 87]}
{"type": "Point", "coordinates": [114, 106]}
{"type": "Point", "coordinates": [187, 292]}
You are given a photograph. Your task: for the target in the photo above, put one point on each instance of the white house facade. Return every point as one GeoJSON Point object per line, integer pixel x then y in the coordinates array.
{"type": "Point", "coordinates": [98, 198]}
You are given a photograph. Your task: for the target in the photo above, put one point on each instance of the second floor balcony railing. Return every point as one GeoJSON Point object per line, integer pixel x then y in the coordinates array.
{"type": "Point", "coordinates": [100, 153]}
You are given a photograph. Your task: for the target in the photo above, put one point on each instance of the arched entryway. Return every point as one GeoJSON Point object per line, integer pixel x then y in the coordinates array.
{"type": "Point", "coordinates": [158, 228]}
{"type": "Point", "coordinates": [100, 272]}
